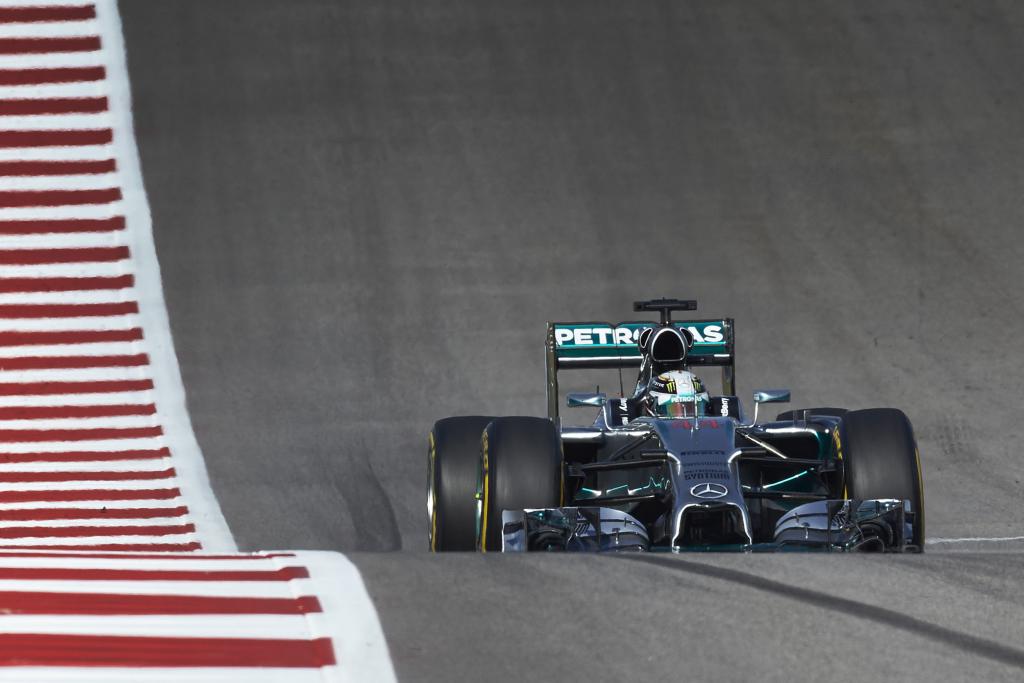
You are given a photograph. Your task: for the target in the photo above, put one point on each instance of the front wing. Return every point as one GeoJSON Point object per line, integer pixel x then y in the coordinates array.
{"type": "Point", "coordinates": [825, 525]}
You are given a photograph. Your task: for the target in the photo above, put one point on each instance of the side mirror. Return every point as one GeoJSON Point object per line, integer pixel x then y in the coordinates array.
{"type": "Point", "coordinates": [769, 396]}
{"type": "Point", "coordinates": [584, 399]}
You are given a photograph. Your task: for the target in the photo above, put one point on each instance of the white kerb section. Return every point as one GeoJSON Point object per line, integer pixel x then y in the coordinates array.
{"type": "Point", "coordinates": [211, 527]}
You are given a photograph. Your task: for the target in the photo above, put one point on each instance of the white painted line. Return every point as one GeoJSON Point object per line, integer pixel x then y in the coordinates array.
{"type": "Point", "coordinates": [86, 521]}
{"type": "Point", "coordinates": [92, 121]}
{"type": "Point", "coordinates": [77, 375]}
{"type": "Point", "coordinates": [150, 562]}
{"type": "Point", "coordinates": [983, 539]}
{"type": "Point", "coordinates": [50, 240]}
{"type": "Point", "coordinates": [78, 181]}
{"type": "Point", "coordinates": [50, 60]}
{"type": "Point", "coordinates": [126, 321]}
{"type": "Point", "coordinates": [188, 626]}
{"type": "Point", "coordinates": [77, 296]}
{"type": "Point", "coordinates": [227, 589]}
{"type": "Point", "coordinates": [92, 521]}
{"type": "Point", "coordinates": [98, 349]}
{"type": "Point", "coordinates": [51, 29]}
{"type": "Point", "coordinates": [80, 153]}
{"type": "Point", "coordinates": [151, 465]}
{"type": "Point", "coordinates": [91, 485]}
{"type": "Point", "coordinates": [45, 3]}
{"type": "Point", "coordinates": [53, 90]}
{"type": "Point", "coordinates": [92, 541]}
{"type": "Point", "coordinates": [91, 269]}
{"type": "Point", "coordinates": [112, 399]}
{"type": "Point", "coordinates": [113, 422]}
{"type": "Point", "coordinates": [103, 446]}
{"type": "Point", "coordinates": [94, 674]}
{"type": "Point", "coordinates": [103, 210]}
{"type": "Point", "coordinates": [112, 504]}
{"type": "Point", "coordinates": [71, 240]}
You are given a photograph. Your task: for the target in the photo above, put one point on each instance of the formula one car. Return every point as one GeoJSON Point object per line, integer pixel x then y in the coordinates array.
{"type": "Point", "coordinates": [670, 466]}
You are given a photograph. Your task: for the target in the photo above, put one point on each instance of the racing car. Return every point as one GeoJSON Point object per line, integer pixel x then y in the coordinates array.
{"type": "Point", "coordinates": [669, 465]}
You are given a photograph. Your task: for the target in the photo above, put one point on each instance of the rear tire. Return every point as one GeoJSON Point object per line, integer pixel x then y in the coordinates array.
{"type": "Point", "coordinates": [811, 412]}
{"type": "Point", "coordinates": [520, 468]}
{"type": "Point", "coordinates": [881, 460]}
{"type": "Point", "coordinates": [453, 458]}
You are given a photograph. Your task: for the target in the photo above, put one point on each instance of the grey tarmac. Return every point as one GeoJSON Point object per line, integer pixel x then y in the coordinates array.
{"type": "Point", "coordinates": [365, 212]}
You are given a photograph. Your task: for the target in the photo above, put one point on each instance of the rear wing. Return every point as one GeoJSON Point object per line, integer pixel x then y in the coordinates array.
{"type": "Point", "coordinates": [600, 345]}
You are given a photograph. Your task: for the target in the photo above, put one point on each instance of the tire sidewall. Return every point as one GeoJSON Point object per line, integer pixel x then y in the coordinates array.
{"type": "Point", "coordinates": [520, 468]}
{"type": "Point", "coordinates": [881, 460]}
{"type": "Point", "coordinates": [453, 454]}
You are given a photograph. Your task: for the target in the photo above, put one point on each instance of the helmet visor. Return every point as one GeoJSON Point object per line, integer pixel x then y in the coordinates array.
{"type": "Point", "coordinates": [675, 406]}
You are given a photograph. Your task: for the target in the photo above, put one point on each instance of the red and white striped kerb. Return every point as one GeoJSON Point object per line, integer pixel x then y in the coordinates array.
{"type": "Point", "coordinates": [104, 498]}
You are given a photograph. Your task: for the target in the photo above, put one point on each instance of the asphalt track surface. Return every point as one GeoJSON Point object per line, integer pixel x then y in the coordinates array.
{"type": "Point", "coordinates": [365, 212]}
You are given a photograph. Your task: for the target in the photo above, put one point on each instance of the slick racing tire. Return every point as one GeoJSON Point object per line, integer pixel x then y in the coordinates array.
{"type": "Point", "coordinates": [520, 468]}
{"type": "Point", "coordinates": [811, 412]}
{"type": "Point", "coordinates": [881, 460]}
{"type": "Point", "coordinates": [453, 458]}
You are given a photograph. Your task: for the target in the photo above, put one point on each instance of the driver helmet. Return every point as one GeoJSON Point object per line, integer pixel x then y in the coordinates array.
{"type": "Point", "coordinates": [677, 394]}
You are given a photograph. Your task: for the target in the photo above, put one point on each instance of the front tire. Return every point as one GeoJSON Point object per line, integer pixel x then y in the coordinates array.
{"type": "Point", "coordinates": [881, 460]}
{"type": "Point", "coordinates": [520, 468]}
{"type": "Point", "coordinates": [453, 458]}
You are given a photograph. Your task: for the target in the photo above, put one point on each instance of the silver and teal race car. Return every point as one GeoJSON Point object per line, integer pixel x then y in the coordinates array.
{"type": "Point", "coordinates": [669, 466]}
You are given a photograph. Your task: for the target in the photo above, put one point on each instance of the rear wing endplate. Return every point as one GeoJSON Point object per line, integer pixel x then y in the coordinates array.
{"type": "Point", "coordinates": [600, 345]}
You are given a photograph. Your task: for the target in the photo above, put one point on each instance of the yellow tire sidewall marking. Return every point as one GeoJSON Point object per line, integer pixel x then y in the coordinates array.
{"type": "Point", "coordinates": [485, 493]}
{"type": "Point", "coordinates": [433, 492]}
{"type": "Point", "coordinates": [839, 455]}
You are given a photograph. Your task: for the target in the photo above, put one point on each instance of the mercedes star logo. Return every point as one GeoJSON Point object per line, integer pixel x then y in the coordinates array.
{"type": "Point", "coordinates": [708, 490]}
